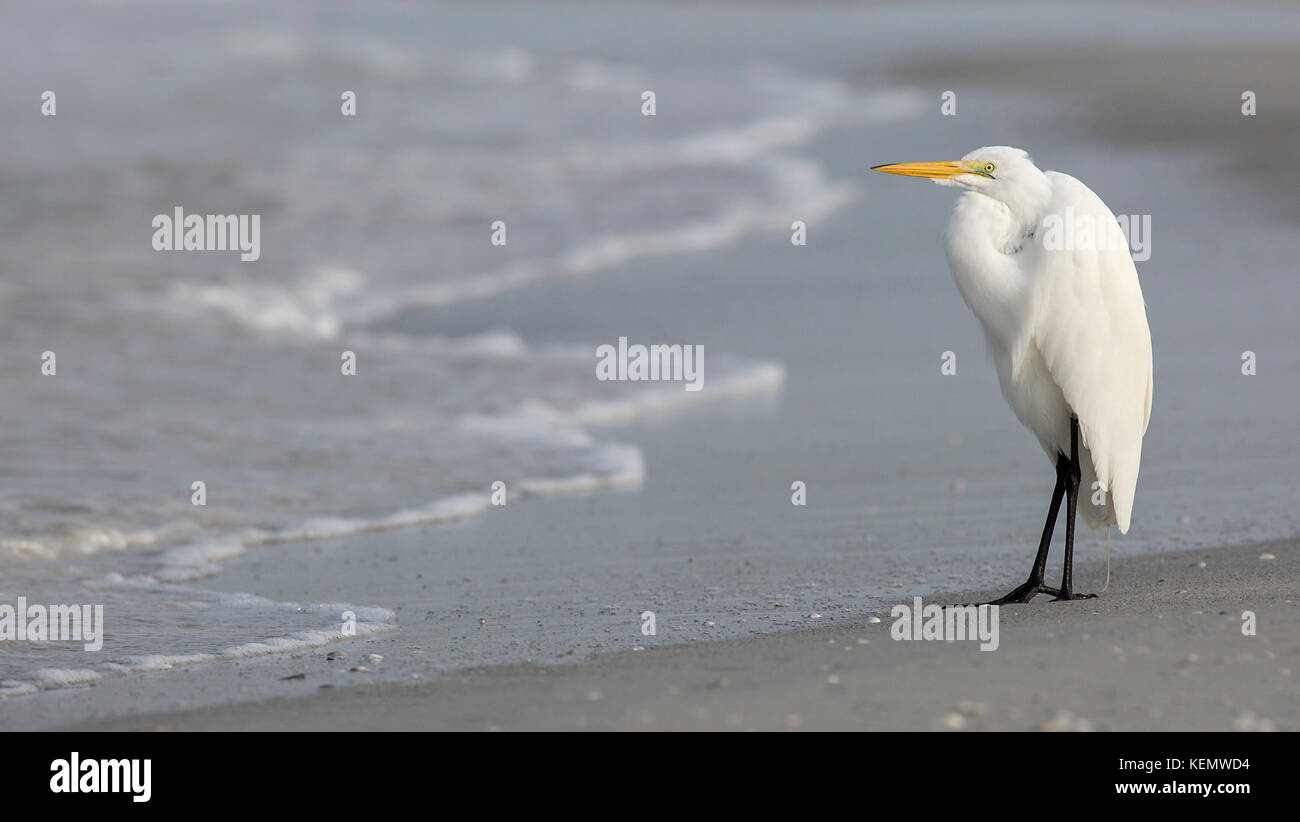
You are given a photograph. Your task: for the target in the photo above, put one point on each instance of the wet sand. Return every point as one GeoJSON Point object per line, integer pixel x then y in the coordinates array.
{"type": "Point", "coordinates": [1163, 648]}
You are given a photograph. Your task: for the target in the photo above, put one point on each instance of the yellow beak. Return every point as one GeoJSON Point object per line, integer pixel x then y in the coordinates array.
{"type": "Point", "coordinates": [935, 170]}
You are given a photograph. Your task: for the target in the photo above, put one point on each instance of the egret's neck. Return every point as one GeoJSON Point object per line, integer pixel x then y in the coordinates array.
{"type": "Point", "coordinates": [984, 238]}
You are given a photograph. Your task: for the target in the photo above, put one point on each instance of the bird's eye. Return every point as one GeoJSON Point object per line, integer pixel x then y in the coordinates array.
{"type": "Point", "coordinates": [988, 168]}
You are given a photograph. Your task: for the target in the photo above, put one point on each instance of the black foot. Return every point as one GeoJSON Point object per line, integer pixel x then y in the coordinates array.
{"type": "Point", "coordinates": [1025, 593]}
{"type": "Point", "coordinates": [1062, 597]}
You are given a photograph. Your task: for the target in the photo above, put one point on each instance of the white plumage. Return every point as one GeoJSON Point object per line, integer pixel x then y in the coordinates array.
{"type": "Point", "coordinates": [1040, 260]}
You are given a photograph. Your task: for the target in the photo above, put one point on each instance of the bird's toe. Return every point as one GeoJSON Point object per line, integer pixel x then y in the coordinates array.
{"type": "Point", "coordinates": [1069, 597]}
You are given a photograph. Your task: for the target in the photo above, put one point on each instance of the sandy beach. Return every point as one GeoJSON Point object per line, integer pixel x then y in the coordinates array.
{"type": "Point", "coordinates": [1163, 648]}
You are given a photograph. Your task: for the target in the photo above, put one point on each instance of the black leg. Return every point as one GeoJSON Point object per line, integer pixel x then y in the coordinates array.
{"type": "Point", "coordinates": [1071, 508]}
{"type": "Point", "coordinates": [1035, 585]}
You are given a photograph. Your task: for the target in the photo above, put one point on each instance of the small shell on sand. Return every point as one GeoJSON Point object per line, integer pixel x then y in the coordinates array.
{"type": "Point", "coordinates": [814, 615]}
{"type": "Point", "coordinates": [1267, 557]}
{"type": "Point", "coordinates": [953, 722]}
{"type": "Point", "coordinates": [1248, 721]}
{"type": "Point", "coordinates": [873, 620]}
{"type": "Point", "coordinates": [358, 668]}
{"type": "Point", "coordinates": [1065, 721]}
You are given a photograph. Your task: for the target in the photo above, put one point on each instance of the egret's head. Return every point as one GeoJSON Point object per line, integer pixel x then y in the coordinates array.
{"type": "Point", "coordinates": [1006, 174]}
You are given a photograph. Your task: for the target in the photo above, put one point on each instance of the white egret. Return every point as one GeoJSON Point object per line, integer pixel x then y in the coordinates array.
{"type": "Point", "coordinates": [1039, 259]}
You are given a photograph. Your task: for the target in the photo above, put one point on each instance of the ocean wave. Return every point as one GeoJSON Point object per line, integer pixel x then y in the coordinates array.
{"type": "Point", "coordinates": [367, 621]}
{"type": "Point", "coordinates": [177, 368]}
